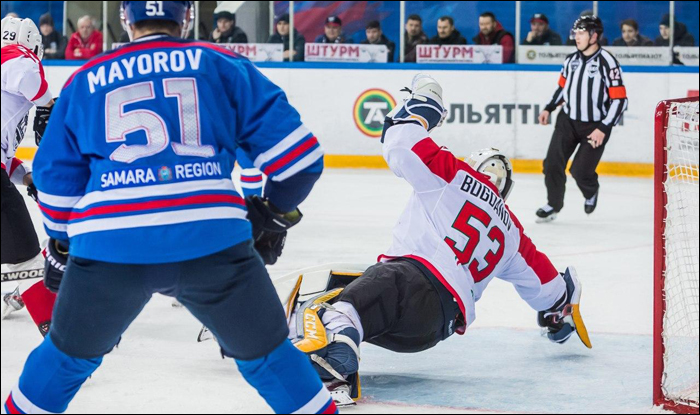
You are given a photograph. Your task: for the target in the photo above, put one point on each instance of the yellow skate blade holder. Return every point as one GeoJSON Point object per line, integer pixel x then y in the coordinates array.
{"type": "Point", "coordinates": [580, 326]}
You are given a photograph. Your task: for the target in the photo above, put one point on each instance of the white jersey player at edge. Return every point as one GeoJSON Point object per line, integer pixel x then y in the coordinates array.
{"type": "Point", "coordinates": [23, 86]}
{"type": "Point", "coordinates": [453, 238]}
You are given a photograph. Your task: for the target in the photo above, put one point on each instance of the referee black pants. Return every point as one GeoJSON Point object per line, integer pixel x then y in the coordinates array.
{"type": "Point", "coordinates": [569, 134]}
{"type": "Point", "coordinates": [19, 240]}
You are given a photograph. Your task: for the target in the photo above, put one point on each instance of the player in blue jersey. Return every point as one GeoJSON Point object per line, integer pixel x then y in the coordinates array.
{"type": "Point", "coordinates": [135, 186]}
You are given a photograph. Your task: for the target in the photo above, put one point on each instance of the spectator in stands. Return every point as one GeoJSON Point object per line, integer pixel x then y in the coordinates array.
{"type": "Point", "coordinates": [333, 32]}
{"type": "Point", "coordinates": [414, 37]}
{"type": "Point", "coordinates": [374, 34]}
{"type": "Point", "coordinates": [226, 30]}
{"type": "Point", "coordinates": [12, 14]}
{"type": "Point", "coordinates": [540, 32]}
{"type": "Point", "coordinates": [282, 36]}
{"type": "Point", "coordinates": [54, 42]}
{"type": "Point", "coordinates": [447, 34]}
{"type": "Point", "coordinates": [86, 42]}
{"type": "Point", "coordinates": [681, 36]}
{"type": "Point", "coordinates": [631, 36]}
{"type": "Point", "coordinates": [491, 32]}
{"type": "Point", "coordinates": [603, 41]}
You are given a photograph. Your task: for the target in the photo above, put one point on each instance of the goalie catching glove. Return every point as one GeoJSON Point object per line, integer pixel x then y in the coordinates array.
{"type": "Point", "coordinates": [269, 227]}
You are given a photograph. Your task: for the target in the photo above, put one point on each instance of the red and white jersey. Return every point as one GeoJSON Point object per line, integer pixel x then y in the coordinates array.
{"type": "Point", "coordinates": [460, 228]}
{"type": "Point", "coordinates": [23, 85]}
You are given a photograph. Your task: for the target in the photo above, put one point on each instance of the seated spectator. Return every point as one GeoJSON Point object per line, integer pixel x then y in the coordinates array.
{"type": "Point", "coordinates": [447, 34]}
{"type": "Point", "coordinates": [414, 37]}
{"type": "Point", "coordinates": [333, 32]}
{"type": "Point", "coordinates": [226, 30]}
{"type": "Point", "coordinates": [631, 36]}
{"type": "Point", "coordinates": [492, 33]}
{"type": "Point", "coordinates": [282, 36]}
{"type": "Point", "coordinates": [681, 36]}
{"type": "Point", "coordinates": [603, 41]}
{"type": "Point", "coordinates": [540, 32]}
{"type": "Point", "coordinates": [54, 43]}
{"type": "Point", "coordinates": [373, 30]}
{"type": "Point", "coordinates": [86, 42]}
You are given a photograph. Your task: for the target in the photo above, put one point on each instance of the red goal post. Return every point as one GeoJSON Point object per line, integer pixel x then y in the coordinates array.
{"type": "Point", "coordinates": [675, 373]}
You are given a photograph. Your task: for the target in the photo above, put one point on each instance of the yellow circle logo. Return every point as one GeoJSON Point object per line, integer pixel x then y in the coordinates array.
{"type": "Point", "coordinates": [370, 109]}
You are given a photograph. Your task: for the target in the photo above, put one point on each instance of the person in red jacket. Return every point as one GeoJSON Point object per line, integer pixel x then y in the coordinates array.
{"type": "Point", "coordinates": [491, 32]}
{"type": "Point", "coordinates": [86, 42]}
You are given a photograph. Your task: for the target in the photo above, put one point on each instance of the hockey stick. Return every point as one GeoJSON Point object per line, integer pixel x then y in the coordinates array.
{"type": "Point", "coordinates": [22, 275]}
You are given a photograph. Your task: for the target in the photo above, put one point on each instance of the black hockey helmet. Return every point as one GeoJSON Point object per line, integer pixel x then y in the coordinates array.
{"type": "Point", "coordinates": [590, 23]}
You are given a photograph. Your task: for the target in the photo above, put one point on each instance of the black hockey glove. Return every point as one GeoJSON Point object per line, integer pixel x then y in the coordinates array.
{"type": "Point", "coordinates": [55, 266]}
{"type": "Point", "coordinates": [41, 120]}
{"type": "Point", "coordinates": [269, 227]}
{"type": "Point", "coordinates": [32, 192]}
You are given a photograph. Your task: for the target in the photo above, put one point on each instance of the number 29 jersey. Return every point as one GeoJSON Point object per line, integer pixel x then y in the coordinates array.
{"type": "Point", "coordinates": [459, 227]}
{"type": "Point", "coordinates": [135, 165]}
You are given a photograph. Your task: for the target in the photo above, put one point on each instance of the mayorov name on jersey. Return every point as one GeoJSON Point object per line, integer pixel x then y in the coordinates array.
{"type": "Point", "coordinates": [158, 62]}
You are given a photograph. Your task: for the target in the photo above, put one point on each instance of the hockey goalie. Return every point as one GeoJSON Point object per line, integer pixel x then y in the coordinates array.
{"type": "Point", "coordinates": [455, 235]}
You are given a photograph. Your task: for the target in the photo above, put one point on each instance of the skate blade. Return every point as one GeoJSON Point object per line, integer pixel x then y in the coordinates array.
{"type": "Point", "coordinates": [547, 219]}
{"type": "Point", "coordinates": [581, 327]}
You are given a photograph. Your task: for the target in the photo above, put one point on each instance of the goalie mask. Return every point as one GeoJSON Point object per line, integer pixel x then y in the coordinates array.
{"type": "Point", "coordinates": [496, 166]}
{"type": "Point", "coordinates": [23, 32]}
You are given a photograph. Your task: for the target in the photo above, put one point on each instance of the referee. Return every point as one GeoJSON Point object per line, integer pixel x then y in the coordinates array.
{"type": "Point", "coordinates": [594, 98]}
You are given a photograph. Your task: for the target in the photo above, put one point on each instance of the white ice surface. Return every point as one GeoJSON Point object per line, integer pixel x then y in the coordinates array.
{"type": "Point", "coordinates": [501, 364]}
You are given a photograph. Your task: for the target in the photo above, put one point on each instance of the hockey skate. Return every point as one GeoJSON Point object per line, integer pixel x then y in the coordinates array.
{"type": "Point", "coordinates": [546, 214]}
{"type": "Point", "coordinates": [562, 320]}
{"type": "Point", "coordinates": [11, 302]}
{"type": "Point", "coordinates": [590, 204]}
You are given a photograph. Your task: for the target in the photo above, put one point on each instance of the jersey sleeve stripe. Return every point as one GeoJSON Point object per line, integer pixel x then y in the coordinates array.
{"type": "Point", "coordinates": [315, 157]}
{"type": "Point", "coordinates": [288, 158]}
{"type": "Point", "coordinates": [59, 201]}
{"type": "Point", "coordinates": [251, 179]}
{"type": "Point", "coordinates": [283, 146]}
{"type": "Point", "coordinates": [535, 259]}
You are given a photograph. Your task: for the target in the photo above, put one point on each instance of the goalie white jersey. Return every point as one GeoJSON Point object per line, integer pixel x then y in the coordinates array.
{"type": "Point", "coordinates": [458, 226]}
{"type": "Point", "coordinates": [23, 85]}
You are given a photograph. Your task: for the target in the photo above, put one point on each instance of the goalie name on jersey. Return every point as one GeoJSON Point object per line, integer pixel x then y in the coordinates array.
{"type": "Point", "coordinates": [483, 192]}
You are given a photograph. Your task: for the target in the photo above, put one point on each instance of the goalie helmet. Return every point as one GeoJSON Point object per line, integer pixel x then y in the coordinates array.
{"type": "Point", "coordinates": [16, 31]}
{"type": "Point", "coordinates": [180, 12]}
{"type": "Point", "coordinates": [496, 166]}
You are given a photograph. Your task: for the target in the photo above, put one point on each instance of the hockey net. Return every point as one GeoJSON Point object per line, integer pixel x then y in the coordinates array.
{"type": "Point", "coordinates": [676, 272]}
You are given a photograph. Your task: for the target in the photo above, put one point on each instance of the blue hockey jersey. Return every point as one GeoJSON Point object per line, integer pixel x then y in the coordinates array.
{"type": "Point", "coordinates": [135, 165]}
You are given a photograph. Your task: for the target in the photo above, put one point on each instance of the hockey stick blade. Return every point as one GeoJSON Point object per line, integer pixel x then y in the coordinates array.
{"type": "Point", "coordinates": [22, 275]}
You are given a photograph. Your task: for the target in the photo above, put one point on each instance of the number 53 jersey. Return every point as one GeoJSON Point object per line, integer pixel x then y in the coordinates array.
{"type": "Point", "coordinates": [135, 165]}
{"type": "Point", "coordinates": [459, 227]}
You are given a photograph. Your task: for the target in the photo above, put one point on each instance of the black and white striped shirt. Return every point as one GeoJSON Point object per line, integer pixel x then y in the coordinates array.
{"type": "Point", "coordinates": [591, 88]}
